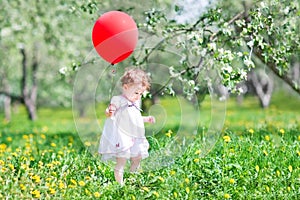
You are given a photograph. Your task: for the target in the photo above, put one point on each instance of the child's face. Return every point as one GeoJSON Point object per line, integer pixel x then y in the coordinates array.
{"type": "Point", "coordinates": [133, 92]}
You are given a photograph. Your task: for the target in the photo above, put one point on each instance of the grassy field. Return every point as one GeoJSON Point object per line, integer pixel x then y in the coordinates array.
{"type": "Point", "coordinates": [257, 156]}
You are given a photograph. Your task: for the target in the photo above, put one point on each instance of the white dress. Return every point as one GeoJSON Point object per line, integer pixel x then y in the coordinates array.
{"type": "Point", "coordinates": [124, 133]}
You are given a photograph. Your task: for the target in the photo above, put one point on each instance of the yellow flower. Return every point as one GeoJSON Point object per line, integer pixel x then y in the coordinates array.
{"type": "Point", "coordinates": [52, 191]}
{"type": "Point", "coordinates": [187, 189]}
{"type": "Point", "coordinates": [172, 172]}
{"type": "Point", "coordinates": [36, 178]}
{"type": "Point", "coordinates": [81, 183]}
{"type": "Point", "coordinates": [267, 189]}
{"type": "Point", "coordinates": [231, 181]}
{"type": "Point", "coordinates": [282, 131]}
{"type": "Point", "coordinates": [156, 194]}
{"type": "Point", "coordinates": [145, 189]}
{"type": "Point", "coordinates": [290, 168]}
{"type": "Point", "coordinates": [175, 194]}
{"type": "Point", "coordinates": [23, 187]}
{"type": "Point", "coordinates": [88, 144]}
{"type": "Point", "coordinates": [298, 153]}
{"type": "Point", "coordinates": [1, 162]}
{"type": "Point", "coordinates": [198, 152]}
{"type": "Point", "coordinates": [267, 138]}
{"type": "Point", "coordinates": [196, 160]}
{"type": "Point", "coordinates": [277, 172]}
{"type": "Point", "coordinates": [288, 188]}
{"type": "Point", "coordinates": [61, 185]}
{"type": "Point", "coordinates": [265, 152]}
{"type": "Point", "coordinates": [226, 138]}
{"type": "Point", "coordinates": [226, 196]}
{"type": "Point", "coordinates": [133, 197]}
{"type": "Point", "coordinates": [25, 137]}
{"type": "Point", "coordinates": [53, 144]}
{"type": "Point", "coordinates": [251, 131]}
{"type": "Point", "coordinates": [2, 147]}
{"type": "Point", "coordinates": [161, 179]}
{"type": "Point", "coordinates": [187, 180]}
{"type": "Point", "coordinates": [96, 194]}
{"type": "Point", "coordinates": [299, 137]}
{"type": "Point", "coordinates": [9, 139]}
{"type": "Point", "coordinates": [257, 168]}
{"type": "Point", "coordinates": [36, 193]}
{"type": "Point", "coordinates": [169, 133]}
{"type": "Point", "coordinates": [73, 182]}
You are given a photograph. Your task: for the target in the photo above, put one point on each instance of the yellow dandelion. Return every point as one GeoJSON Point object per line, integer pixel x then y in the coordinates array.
{"type": "Point", "coordinates": [282, 131]}
{"type": "Point", "coordinates": [161, 179]}
{"type": "Point", "coordinates": [187, 189]}
{"type": "Point", "coordinates": [290, 168]}
{"type": "Point", "coordinates": [169, 133]}
{"type": "Point", "coordinates": [226, 138]}
{"type": "Point", "coordinates": [36, 193]}
{"type": "Point", "coordinates": [172, 172]}
{"type": "Point", "coordinates": [1, 162]}
{"type": "Point", "coordinates": [36, 178]}
{"type": "Point", "coordinates": [226, 196]}
{"type": "Point", "coordinates": [52, 191]}
{"type": "Point", "coordinates": [298, 137]}
{"type": "Point", "coordinates": [196, 160]}
{"type": "Point", "coordinates": [257, 168]}
{"type": "Point", "coordinates": [53, 144]}
{"type": "Point", "coordinates": [156, 194]}
{"type": "Point", "coordinates": [267, 189]}
{"type": "Point", "coordinates": [61, 185]}
{"type": "Point", "coordinates": [187, 180]}
{"type": "Point", "coordinates": [231, 181]}
{"type": "Point", "coordinates": [251, 131]}
{"type": "Point", "coordinates": [198, 152]}
{"type": "Point", "coordinates": [3, 147]}
{"type": "Point", "coordinates": [298, 153]}
{"type": "Point", "coordinates": [175, 194]}
{"type": "Point", "coordinates": [145, 189]}
{"type": "Point", "coordinates": [288, 188]}
{"type": "Point", "coordinates": [25, 137]}
{"type": "Point", "coordinates": [277, 172]}
{"type": "Point", "coordinates": [265, 152]}
{"type": "Point", "coordinates": [9, 139]}
{"type": "Point", "coordinates": [43, 136]}
{"type": "Point", "coordinates": [96, 194]}
{"type": "Point", "coordinates": [88, 144]}
{"type": "Point", "coordinates": [73, 182]}
{"type": "Point", "coordinates": [267, 138]}
{"type": "Point", "coordinates": [14, 154]}
{"type": "Point", "coordinates": [23, 187]}
{"type": "Point", "coordinates": [81, 183]}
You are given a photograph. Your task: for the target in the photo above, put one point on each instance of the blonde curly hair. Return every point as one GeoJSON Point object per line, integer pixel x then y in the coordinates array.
{"type": "Point", "coordinates": [136, 76]}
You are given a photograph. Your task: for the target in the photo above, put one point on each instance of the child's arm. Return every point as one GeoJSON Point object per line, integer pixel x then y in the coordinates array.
{"type": "Point", "coordinates": [149, 119]}
{"type": "Point", "coordinates": [110, 110]}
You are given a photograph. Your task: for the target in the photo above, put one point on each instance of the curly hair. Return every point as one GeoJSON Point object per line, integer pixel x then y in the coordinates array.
{"type": "Point", "coordinates": [136, 76]}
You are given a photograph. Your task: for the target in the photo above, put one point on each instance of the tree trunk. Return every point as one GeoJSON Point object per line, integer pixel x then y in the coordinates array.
{"type": "Point", "coordinates": [263, 86]}
{"type": "Point", "coordinates": [29, 97]}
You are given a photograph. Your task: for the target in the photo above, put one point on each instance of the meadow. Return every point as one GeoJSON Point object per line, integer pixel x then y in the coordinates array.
{"type": "Point", "coordinates": [257, 156]}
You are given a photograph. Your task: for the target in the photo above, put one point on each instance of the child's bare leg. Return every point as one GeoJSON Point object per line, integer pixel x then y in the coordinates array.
{"type": "Point", "coordinates": [119, 170]}
{"type": "Point", "coordinates": [135, 163]}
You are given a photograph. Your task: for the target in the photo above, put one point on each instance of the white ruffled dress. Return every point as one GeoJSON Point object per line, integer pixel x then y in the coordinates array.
{"type": "Point", "coordinates": [124, 133]}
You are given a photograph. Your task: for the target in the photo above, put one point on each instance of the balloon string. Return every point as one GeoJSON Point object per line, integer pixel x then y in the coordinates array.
{"type": "Point", "coordinates": [113, 71]}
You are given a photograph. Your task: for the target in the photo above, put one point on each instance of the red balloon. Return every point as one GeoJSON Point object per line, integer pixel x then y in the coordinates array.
{"type": "Point", "coordinates": [115, 36]}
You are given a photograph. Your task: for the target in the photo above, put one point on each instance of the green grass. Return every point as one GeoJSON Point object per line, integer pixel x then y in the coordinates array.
{"type": "Point", "coordinates": [256, 157]}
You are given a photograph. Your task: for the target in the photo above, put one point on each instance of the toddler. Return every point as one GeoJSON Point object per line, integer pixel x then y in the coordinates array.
{"type": "Point", "coordinates": [123, 134]}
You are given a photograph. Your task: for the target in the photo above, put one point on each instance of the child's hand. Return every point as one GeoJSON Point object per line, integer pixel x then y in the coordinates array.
{"type": "Point", "coordinates": [149, 119]}
{"type": "Point", "coordinates": [110, 110]}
